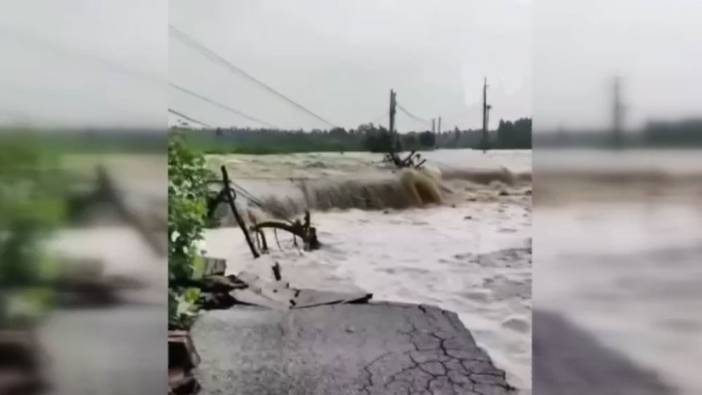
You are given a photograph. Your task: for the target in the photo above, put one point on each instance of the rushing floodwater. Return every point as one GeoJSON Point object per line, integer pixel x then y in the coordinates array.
{"type": "Point", "coordinates": [471, 255]}
{"type": "Point", "coordinates": [621, 256]}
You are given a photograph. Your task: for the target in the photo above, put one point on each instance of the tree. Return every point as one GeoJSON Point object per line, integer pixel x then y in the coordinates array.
{"type": "Point", "coordinates": [376, 139]}
{"type": "Point", "coordinates": [338, 132]}
{"type": "Point", "coordinates": [515, 135]}
{"type": "Point", "coordinates": [427, 139]}
{"type": "Point", "coordinates": [409, 140]}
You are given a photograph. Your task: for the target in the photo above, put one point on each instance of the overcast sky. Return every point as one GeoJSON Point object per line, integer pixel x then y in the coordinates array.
{"type": "Point", "coordinates": [83, 63]}
{"type": "Point", "coordinates": [106, 63]}
{"type": "Point", "coordinates": [579, 46]}
{"type": "Point", "coordinates": [341, 58]}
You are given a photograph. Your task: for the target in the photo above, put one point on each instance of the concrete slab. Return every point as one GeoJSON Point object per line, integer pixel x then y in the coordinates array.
{"type": "Point", "coordinates": [279, 295]}
{"type": "Point", "coordinates": [379, 348]}
{"type": "Point", "coordinates": [214, 267]}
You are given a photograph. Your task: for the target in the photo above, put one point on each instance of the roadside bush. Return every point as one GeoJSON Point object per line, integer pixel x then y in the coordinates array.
{"type": "Point", "coordinates": [187, 209]}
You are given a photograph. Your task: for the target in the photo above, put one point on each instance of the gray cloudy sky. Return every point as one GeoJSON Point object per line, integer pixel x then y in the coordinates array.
{"type": "Point", "coordinates": [106, 63]}
{"type": "Point", "coordinates": [83, 62]}
{"type": "Point", "coordinates": [579, 46]}
{"type": "Point", "coordinates": [340, 58]}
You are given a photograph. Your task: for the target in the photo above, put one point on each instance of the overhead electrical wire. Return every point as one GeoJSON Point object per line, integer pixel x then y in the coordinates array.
{"type": "Point", "coordinates": [203, 50]}
{"type": "Point", "coordinates": [189, 118]}
{"type": "Point", "coordinates": [409, 114]}
{"type": "Point", "coordinates": [222, 106]}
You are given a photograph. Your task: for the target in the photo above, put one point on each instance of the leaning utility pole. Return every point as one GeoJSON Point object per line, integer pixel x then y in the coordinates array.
{"type": "Point", "coordinates": [486, 113]}
{"type": "Point", "coordinates": [617, 113]}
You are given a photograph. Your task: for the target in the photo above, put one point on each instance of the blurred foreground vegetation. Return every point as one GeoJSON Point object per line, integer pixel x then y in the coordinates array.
{"type": "Point", "coordinates": [41, 173]}
{"type": "Point", "coordinates": [32, 206]}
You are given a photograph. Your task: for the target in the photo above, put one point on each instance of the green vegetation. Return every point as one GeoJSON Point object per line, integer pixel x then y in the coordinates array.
{"type": "Point", "coordinates": [96, 141]}
{"type": "Point", "coordinates": [515, 134]}
{"type": "Point", "coordinates": [682, 133]}
{"type": "Point", "coordinates": [32, 205]}
{"type": "Point", "coordinates": [366, 137]}
{"type": "Point", "coordinates": [187, 209]}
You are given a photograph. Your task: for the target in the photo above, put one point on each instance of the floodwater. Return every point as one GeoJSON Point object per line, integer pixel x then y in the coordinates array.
{"type": "Point", "coordinates": [470, 255]}
{"type": "Point", "coordinates": [618, 252]}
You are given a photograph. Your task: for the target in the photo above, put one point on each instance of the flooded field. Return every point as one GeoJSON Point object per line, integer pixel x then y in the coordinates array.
{"type": "Point", "coordinates": [470, 254]}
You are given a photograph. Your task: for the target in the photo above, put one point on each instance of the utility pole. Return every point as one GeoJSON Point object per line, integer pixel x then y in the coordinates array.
{"type": "Point", "coordinates": [617, 113]}
{"type": "Point", "coordinates": [433, 125]}
{"type": "Point", "coordinates": [438, 128]}
{"type": "Point", "coordinates": [230, 199]}
{"type": "Point", "coordinates": [486, 113]}
{"type": "Point", "coordinates": [391, 126]}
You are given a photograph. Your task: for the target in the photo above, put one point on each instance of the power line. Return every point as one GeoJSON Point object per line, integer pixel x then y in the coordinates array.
{"type": "Point", "coordinates": [222, 106]}
{"type": "Point", "coordinates": [24, 38]}
{"type": "Point", "coordinates": [379, 118]}
{"type": "Point", "coordinates": [409, 114]}
{"type": "Point", "coordinates": [202, 49]}
{"type": "Point", "coordinates": [191, 119]}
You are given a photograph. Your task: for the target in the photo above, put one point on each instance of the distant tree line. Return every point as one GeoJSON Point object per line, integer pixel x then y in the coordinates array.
{"type": "Point", "coordinates": [515, 134]}
{"type": "Point", "coordinates": [675, 134]}
{"type": "Point", "coordinates": [98, 140]}
{"type": "Point", "coordinates": [366, 137]}
{"type": "Point", "coordinates": [685, 133]}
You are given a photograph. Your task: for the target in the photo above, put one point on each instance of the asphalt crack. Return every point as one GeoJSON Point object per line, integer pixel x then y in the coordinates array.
{"type": "Point", "coordinates": [436, 364]}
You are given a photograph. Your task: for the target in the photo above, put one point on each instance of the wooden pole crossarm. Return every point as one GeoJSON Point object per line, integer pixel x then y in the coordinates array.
{"type": "Point", "coordinates": [305, 231]}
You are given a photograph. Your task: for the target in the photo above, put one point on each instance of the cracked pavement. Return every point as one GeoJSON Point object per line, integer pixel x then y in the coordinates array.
{"type": "Point", "coordinates": [378, 348]}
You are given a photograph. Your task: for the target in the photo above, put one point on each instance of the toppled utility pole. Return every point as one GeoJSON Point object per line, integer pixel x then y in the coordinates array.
{"type": "Point", "coordinates": [302, 229]}
{"type": "Point", "coordinates": [106, 191]}
{"type": "Point", "coordinates": [391, 156]}
{"type": "Point", "coordinates": [229, 195]}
